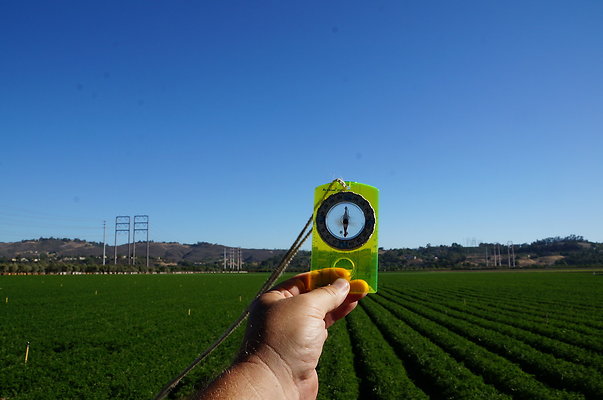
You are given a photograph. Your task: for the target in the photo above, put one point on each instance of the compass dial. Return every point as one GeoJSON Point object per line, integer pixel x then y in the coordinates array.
{"type": "Point", "coordinates": [345, 220]}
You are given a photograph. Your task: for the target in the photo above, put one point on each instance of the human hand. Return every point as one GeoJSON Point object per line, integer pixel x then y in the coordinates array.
{"type": "Point", "coordinates": [288, 327]}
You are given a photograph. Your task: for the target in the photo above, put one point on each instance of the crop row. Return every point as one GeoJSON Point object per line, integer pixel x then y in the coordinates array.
{"type": "Point", "coordinates": [521, 330]}
{"type": "Point", "coordinates": [336, 373]}
{"type": "Point", "coordinates": [436, 372]}
{"type": "Point", "coordinates": [580, 323]}
{"type": "Point", "coordinates": [556, 330]}
{"type": "Point", "coordinates": [383, 373]}
{"type": "Point", "coordinates": [516, 305]}
{"type": "Point", "coordinates": [514, 311]}
{"type": "Point", "coordinates": [506, 376]}
{"type": "Point", "coordinates": [545, 292]}
{"type": "Point", "coordinates": [553, 371]}
{"type": "Point", "coordinates": [522, 304]}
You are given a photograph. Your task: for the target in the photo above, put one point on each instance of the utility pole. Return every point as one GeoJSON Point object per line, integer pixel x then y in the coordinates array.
{"type": "Point", "coordinates": [104, 242]}
{"type": "Point", "coordinates": [224, 266]}
{"type": "Point", "coordinates": [231, 258]}
{"type": "Point", "coordinates": [494, 255]}
{"type": "Point", "coordinates": [240, 260]}
{"type": "Point", "coordinates": [148, 246]}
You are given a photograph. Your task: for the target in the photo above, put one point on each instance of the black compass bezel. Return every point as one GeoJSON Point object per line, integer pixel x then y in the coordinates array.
{"type": "Point", "coordinates": [345, 244]}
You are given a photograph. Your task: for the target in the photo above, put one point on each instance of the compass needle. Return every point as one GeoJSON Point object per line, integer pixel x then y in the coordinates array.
{"type": "Point", "coordinates": [346, 221]}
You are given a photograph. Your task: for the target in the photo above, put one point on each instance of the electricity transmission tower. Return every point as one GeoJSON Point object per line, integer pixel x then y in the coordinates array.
{"type": "Point", "coordinates": [511, 254]}
{"type": "Point", "coordinates": [233, 259]}
{"type": "Point", "coordinates": [141, 224]}
{"type": "Point", "coordinates": [122, 224]}
{"type": "Point", "coordinates": [496, 257]}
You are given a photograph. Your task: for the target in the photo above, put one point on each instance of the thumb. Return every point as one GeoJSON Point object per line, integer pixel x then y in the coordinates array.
{"type": "Point", "coordinates": [328, 298]}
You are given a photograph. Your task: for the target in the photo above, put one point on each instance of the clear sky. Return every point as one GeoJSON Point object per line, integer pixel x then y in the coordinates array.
{"type": "Point", "coordinates": [476, 119]}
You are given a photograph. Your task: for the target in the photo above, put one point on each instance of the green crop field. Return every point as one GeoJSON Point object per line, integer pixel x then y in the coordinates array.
{"type": "Point", "coordinates": [525, 335]}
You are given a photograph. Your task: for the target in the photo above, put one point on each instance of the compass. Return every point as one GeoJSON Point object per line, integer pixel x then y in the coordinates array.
{"type": "Point", "coordinates": [345, 221]}
{"type": "Point", "coordinates": [344, 235]}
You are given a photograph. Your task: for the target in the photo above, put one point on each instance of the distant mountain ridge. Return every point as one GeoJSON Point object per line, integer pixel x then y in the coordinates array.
{"type": "Point", "coordinates": [570, 251]}
{"type": "Point", "coordinates": [166, 251]}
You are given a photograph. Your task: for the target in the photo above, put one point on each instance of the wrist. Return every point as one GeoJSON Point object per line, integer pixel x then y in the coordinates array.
{"type": "Point", "coordinates": [268, 372]}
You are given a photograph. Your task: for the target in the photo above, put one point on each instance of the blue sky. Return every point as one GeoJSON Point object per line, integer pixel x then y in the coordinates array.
{"type": "Point", "coordinates": [476, 120]}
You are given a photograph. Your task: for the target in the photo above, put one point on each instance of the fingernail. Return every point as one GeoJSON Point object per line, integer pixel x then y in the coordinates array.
{"type": "Point", "coordinates": [341, 285]}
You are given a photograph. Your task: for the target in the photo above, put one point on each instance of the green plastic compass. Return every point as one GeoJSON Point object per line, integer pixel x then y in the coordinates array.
{"type": "Point", "coordinates": [344, 234]}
